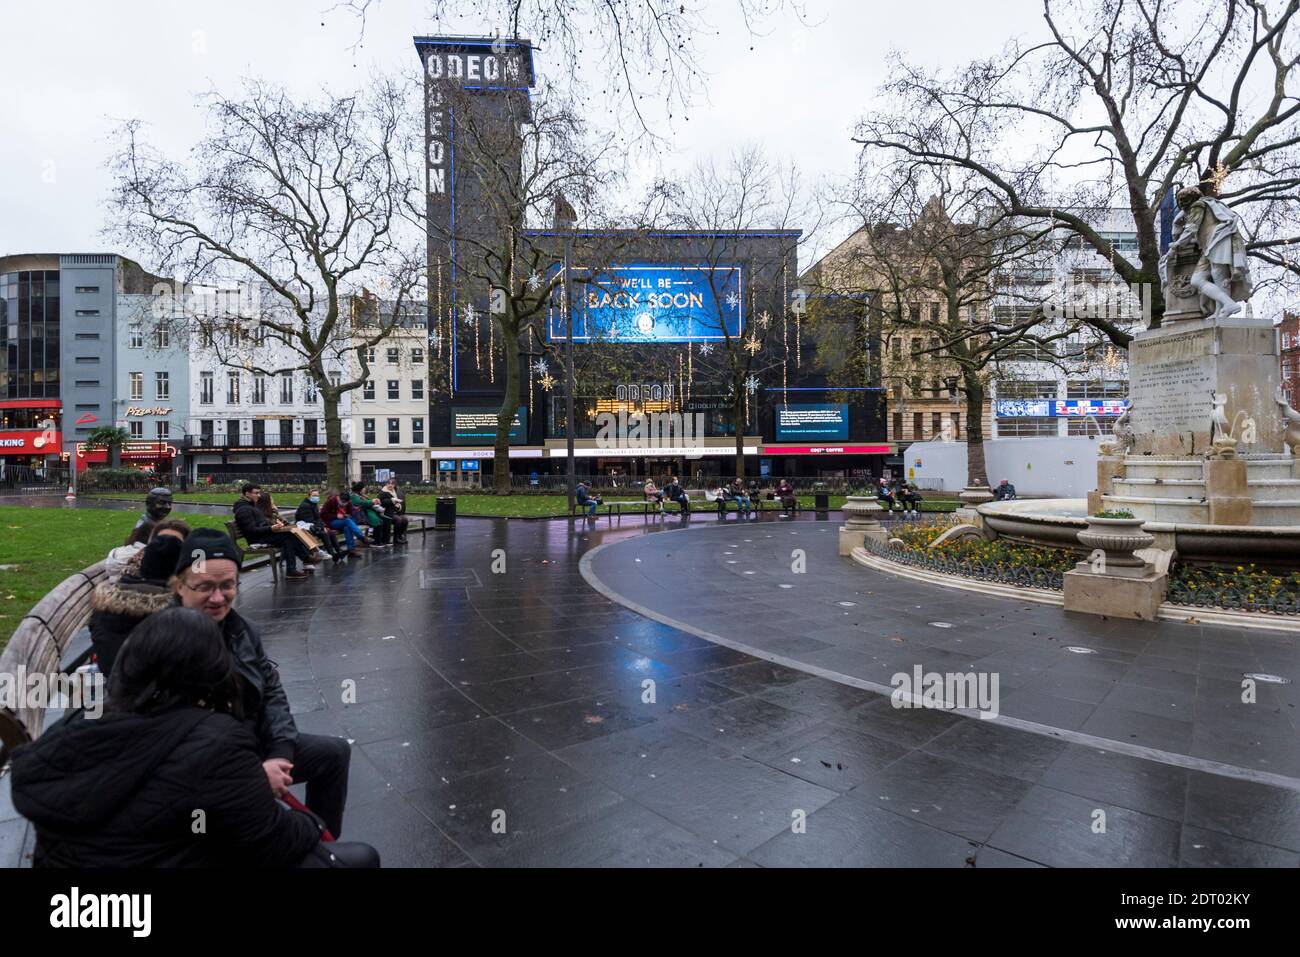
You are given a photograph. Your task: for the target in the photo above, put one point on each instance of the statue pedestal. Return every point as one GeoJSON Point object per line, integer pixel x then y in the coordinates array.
{"type": "Point", "coordinates": [1226, 492]}
{"type": "Point", "coordinates": [1175, 372]}
{"type": "Point", "coordinates": [1116, 593]}
{"type": "Point", "coordinates": [859, 523]}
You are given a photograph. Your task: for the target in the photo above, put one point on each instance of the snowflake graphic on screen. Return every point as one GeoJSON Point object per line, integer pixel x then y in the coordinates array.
{"type": "Point", "coordinates": [540, 367]}
{"type": "Point", "coordinates": [534, 281]}
{"type": "Point", "coordinates": [732, 300]}
{"type": "Point", "coordinates": [471, 316]}
{"type": "Point", "coordinates": [752, 384]}
{"type": "Point", "coordinates": [706, 348]}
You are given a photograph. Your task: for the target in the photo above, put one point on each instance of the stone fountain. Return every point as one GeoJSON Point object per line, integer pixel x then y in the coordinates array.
{"type": "Point", "coordinates": [1207, 452]}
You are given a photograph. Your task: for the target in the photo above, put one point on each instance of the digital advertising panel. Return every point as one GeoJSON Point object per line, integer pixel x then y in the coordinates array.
{"type": "Point", "coordinates": [477, 425]}
{"type": "Point", "coordinates": [812, 422]}
{"type": "Point", "coordinates": [642, 302]}
{"type": "Point", "coordinates": [1059, 408]}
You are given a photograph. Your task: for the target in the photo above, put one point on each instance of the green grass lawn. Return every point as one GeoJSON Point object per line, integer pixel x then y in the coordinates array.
{"type": "Point", "coordinates": [480, 504]}
{"type": "Point", "coordinates": [39, 547]}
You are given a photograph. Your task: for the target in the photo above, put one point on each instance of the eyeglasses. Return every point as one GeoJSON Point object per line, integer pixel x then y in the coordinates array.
{"type": "Point", "coordinates": [207, 588]}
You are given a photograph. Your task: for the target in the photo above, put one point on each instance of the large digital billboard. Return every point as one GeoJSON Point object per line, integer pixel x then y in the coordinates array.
{"type": "Point", "coordinates": [477, 425]}
{"type": "Point", "coordinates": [1059, 408]}
{"type": "Point", "coordinates": [815, 422]}
{"type": "Point", "coordinates": [644, 302]}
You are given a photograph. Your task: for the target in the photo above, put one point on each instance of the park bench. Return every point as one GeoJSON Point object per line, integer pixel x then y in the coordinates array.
{"type": "Point", "coordinates": [255, 555]}
{"type": "Point", "coordinates": [39, 646]}
{"type": "Point", "coordinates": [645, 508]}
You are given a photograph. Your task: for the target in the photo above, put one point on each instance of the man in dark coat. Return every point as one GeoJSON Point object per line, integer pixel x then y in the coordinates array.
{"type": "Point", "coordinates": [207, 580]}
{"type": "Point", "coordinates": [168, 776]}
{"type": "Point", "coordinates": [257, 529]}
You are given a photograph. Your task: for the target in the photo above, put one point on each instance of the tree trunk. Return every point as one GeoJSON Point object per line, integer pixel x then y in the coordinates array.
{"type": "Point", "coordinates": [737, 417]}
{"type": "Point", "coordinates": [506, 415]}
{"type": "Point", "coordinates": [334, 476]}
{"type": "Point", "coordinates": [976, 473]}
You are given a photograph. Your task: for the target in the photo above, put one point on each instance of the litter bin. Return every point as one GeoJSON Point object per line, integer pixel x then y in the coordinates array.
{"type": "Point", "coordinates": [444, 512]}
{"type": "Point", "coordinates": [821, 498]}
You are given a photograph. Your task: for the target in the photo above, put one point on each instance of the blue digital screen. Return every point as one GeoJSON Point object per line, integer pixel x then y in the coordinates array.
{"type": "Point", "coordinates": [812, 421]}
{"type": "Point", "coordinates": [469, 465]}
{"type": "Point", "coordinates": [644, 302]}
{"type": "Point", "coordinates": [477, 425]}
{"type": "Point", "coordinates": [446, 465]}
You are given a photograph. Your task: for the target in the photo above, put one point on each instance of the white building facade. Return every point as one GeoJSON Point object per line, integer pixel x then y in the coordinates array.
{"type": "Point", "coordinates": [389, 424]}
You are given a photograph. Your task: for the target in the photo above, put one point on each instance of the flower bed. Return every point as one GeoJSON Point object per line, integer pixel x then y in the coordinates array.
{"type": "Point", "coordinates": [1238, 587]}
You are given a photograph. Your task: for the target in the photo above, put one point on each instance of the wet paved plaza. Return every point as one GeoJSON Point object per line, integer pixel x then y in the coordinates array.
{"type": "Point", "coordinates": [509, 713]}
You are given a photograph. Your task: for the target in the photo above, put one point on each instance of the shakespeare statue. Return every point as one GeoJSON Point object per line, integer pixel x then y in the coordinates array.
{"type": "Point", "coordinates": [1204, 272]}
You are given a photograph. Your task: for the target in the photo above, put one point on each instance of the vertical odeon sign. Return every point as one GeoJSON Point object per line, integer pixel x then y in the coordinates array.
{"type": "Point", "coordinates": [484, 67]}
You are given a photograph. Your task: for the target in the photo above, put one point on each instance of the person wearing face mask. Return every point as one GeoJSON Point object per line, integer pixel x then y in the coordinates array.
{"type": "Point", "coordinates": [308, 516]}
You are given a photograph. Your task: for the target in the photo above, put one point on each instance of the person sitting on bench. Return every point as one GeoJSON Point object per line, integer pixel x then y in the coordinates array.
{"type": "Point", "coordinates": [652, 494]}
{"type": "Point", "coordinates": [123, 790]}
{"type": "Point", "coordinates": [785, 492]}
{"type": "Point", "coordinates": [309, 515]}
{"type": "Point", "coordinates": [674, 492]}
{"type": "Point", "coordinates": [257, 530]}
{"type": "Point", "coordinates": [1004, 492]}
{"type": "Point", "coordinates": [908, 494]}
{"type": "Point", "coordinates": [743, 504]}
{"type": "Point", "coordinates": [394, 510]}
{"type": "Point", "coordinates": [583, 497]}
{"type": "Point", "coordinates": [885, 495]}
{"type": "Point", "coordinates": [374, 516]}
{"type": "Point", "coordinates": [335, 514]}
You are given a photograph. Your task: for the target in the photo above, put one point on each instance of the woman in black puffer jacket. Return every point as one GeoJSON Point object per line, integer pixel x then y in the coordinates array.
{"type": "Point", "coordinates": [167, 776]}
{"type": "Point", "coordinates": [117, 607]}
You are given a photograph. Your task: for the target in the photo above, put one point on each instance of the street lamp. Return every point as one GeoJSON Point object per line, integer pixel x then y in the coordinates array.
{"type": "Point", "coordinates": [565, 220]}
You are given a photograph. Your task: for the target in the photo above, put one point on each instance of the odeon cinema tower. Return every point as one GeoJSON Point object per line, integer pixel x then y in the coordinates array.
{"type": "Point", "coordinates": [476, 95]}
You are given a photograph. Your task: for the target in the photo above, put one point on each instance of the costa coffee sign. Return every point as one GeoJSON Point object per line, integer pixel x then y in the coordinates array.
{"type": "Point", "coordinates": [826, 450]}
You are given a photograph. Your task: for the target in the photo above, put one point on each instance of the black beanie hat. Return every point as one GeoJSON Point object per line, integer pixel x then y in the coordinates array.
{"type": "Point", "coordinates": [158, 563]}
{"type": "Point", "coordinates": [209, 544]}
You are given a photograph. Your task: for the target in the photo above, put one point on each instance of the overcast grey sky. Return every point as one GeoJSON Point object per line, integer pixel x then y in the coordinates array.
{"type": "Point", "coordinates": [71, 68]}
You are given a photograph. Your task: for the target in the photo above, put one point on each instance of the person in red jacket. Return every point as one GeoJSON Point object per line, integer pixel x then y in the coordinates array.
{"type": "Point", "coordinates": [336, 515]}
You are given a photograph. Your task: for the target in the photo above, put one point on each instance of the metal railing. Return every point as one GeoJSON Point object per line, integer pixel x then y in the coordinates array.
{"type": "Point", "coordinates": [1232, 597]}
{"type": "Point", "coordinates": [298, 440]}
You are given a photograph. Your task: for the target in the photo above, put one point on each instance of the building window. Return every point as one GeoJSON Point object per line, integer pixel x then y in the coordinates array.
{"type": "Point", "coordinates": [205, 388]}
{"type": "Point", "coordinates": [898, 426]}
{"type": "Point", "coordinates": [88, 289]}
{"type": "Point", "coordinates": [137, 386]}
{"type": "Point", "coordinates": [205, 336]}
{"type": "Point", "coordinates": [368, 431]}
{"type": "Point", "coordinates": [895, 349]}
{"type": "Point", "coordinates": [897, 390]}
{"type": "Point", "coordinates": [88, 360]}
{"type": "Point", "coordinates": [368, 390]}
{"type": "Point", "coordinates": [336, 379]}
{"type": "Point", "coordinates": [1026, 426]}
{"type": "Point", "coordinates": [85, 313]}
{"type": "Point", "coordinates": [956, 425]}
{"type": "Point", "coordinates": [259, 389]}
{"type": "Point", "coordinates": [162, 337]}
{"type": "Point", "coordinates": [137, 338]}
{"type": "Point", "coordinates": [417, 430]}
{"type": "Point", "coordinates": [309, 394]}
{"type": "Point", "coordinates": [417, 357]}
{"type": "Point", "coordinates": [286, 389]}
{"type": "Point", "coordinates": [936, 423]}
{"type": "Point", "coordinates": [164, 429]}
{"type": "Point", "coordinates": [137, 429]}
{"type": "Point", "coordinates": [394, 431]}
{"type": "Point", "coordinates": [918, 425]}
{"type": "Point", "coordinates": [162, 385]}
{"type": "Point", "coordinates": [259, 335]}
{"type": "Point", "coordinates": [370, 356]}
{"type": "Point", "coordinates": [232, 387]}
{"type": "Point", "coordinates": [417, 388]}
{"type": "Point", "coordinates": [393, 356]}
{"type": "Point", "coordinates": [934, 313]}
{"type": "Point", "coordinates": [394, 389]}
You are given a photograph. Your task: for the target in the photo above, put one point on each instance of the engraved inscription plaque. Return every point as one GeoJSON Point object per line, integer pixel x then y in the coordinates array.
{"type": "Point", "coordinates": [1171, 382]}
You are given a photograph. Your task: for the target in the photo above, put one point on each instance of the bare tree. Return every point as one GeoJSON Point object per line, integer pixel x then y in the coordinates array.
{"type": "Point", "coordinates": [519, 166]}
{"type": "Point", "coordinates": [934, 264]}
{"type": "Point", "coordinates": [1115, 104]}
{"type": "Point", "coordinates": [744, 193]}
{"type": "Point", "coordinates": [304, 201]}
